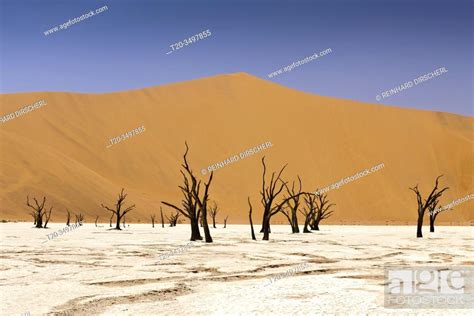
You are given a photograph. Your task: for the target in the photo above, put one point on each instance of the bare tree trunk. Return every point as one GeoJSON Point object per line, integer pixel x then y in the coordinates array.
{"type": "Point", "coordinates": [250, 219]}
{"type": "Point", "coordinates": [266, 228]}
{"type": "Point", "coordinates": [263, 229]}
{"type": "Point", "coordinates": [419, 233]}
{"type": "Point", "coordinates": [432, 221]}
{"type": "Point", "coordinates": [207, 233]}
{"type": "Point", "coordinates": [225, 221]}
{"type": "Point", "coordinates": [295, 228]}
{"type": "Point", "coordinates": [110, 221]}
{"type": "Point", "coordinates": [162, 220]}
{"type": "Point", "coordinates": [96, 219]}
{"type": "Point", "coordinates": [195, 233]}
{"type": "Point", "coordinates": [39, 222]}
{"type": "Point", "coordinates": [293, 204]}
{"type": "Point", "coordinates": [48, 216]}
{"type": "Point", "coordinates": [68, 219]}
{"type": "Point", "coordinates": [306, 223]}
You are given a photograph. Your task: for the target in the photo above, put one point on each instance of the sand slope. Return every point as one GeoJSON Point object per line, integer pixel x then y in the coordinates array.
{"type": "Point", "coordinates": [59, 150]}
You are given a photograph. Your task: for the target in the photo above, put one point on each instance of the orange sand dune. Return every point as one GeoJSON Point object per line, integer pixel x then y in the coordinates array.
{"type": "Point", "coordinates": [59, 150]}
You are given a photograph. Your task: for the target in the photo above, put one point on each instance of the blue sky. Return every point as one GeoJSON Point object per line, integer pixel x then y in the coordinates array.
{"type": "Point", "coordinates": [376, 45]}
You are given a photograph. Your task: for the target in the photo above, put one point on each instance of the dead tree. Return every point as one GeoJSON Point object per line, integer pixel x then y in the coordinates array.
{"type": "Point", "coordinates": [33, 214]}
{"type": "Point", "coordinates": [152, 217]}
{"type": "Point", "coordinates": [310, 200]}
{"type": "Point", "coordinates": [193, 206]}
{"type": "Point", "coordinates": [250, 219]}
{"type": "Point", "coordinates": [433, 214]}
{"type": "Point", "coordinates": [118, 212]}
{"type": "Point", "coordinates": [162, 220]}
{"type": "Point", "coordinates": [269, 195]}
{"type": "Point", "coordinates": [202, 204]}
{"type": "Point", "coordinates": [213, 210]}
{"type": "Point", "coordinates": [173, 219]}
{"type": "Point", "coordinates": [293, 205]}
{"type": "Point", "coordinates": [225, 221]}
{"type": "Point", "coordinates": [123, 222]}
{"type": "Point", "coordinates": [47, 217]}
{"type": "Point", "coordinates": [38, 210]}
{"type": "Point", "coordinates": [322, 210]}
{"type": "Point", "coordinates": [96, 219]}
{"type": "Point", "coordinates": [110, 220]}
{"type": "Point", "coordinates": [68, 217]}
{"type": "Point", "coordinates": [422, 207]}
{"type": "Point", "coordinates": [176, 218]}
{"type": "Point", "coordinates": [79, 219]}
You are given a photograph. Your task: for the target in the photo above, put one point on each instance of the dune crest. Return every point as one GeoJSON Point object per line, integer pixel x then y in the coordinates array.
{"type": "Point", "coordinates": [60, 150]}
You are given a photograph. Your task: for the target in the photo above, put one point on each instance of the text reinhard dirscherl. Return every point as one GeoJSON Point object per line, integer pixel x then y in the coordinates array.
{"type": "Point", "coordinates": [410, 84]}
{"type": "Point", "coordinates": [23, 110]}
{"type": "Point", "coordinates": [234, 158]}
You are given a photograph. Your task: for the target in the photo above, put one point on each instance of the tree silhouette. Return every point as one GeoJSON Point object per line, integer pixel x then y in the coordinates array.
{"type": "Point", "coordinates": [118, 212]}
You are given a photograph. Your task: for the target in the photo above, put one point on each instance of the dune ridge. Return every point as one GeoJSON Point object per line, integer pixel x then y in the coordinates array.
{"type": "Point", "coordinates": [60, 150]}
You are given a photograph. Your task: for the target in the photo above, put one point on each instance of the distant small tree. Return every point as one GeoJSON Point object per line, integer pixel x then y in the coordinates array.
{"type": "Point", "coordinates": [152, 217]}
{"type": "Point", "coordinates": [162, 219]}
{"type": "Point", "coordinates": [68, 217]}
{"type": "Point", "coordinates": [293, 205]}
{"type": "Point", "coordinates": [309, 210]}
{"type": "Point", "coordinates": [79, 219]}
{"type": "Point", "coordinates": [423, 206]}
{"type": "Point", "coordinates": [433, 214]}
{"type": "Point", "coordinates": [250, 219]}
{"type": "Point", "coordinates": [33, 214]}
{"type": "Point", "coordinates": [110, 220]}
{"type": "Point", "coordinates": [123, 222]}
{"type": "Point", "coordinates": [173, 219]}
{"type": "Point", "coordinates": [118, 212]}
{"type": "Point", "coordinates": [96, 219]}
{"type": "Point", "coordinates": [213, 212]}
{"type": "Point", "coordinates": [225, 221]}
{"type": "Point", "coordinates": [322, 210]}
{"type": "Point", "coordinates": [38, 209]}
{"type": "Point", "coordinates": [47, 217]}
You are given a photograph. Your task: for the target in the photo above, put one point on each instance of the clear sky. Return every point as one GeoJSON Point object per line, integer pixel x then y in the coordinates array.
{"type": "Point", "coordinates": [376, 45]}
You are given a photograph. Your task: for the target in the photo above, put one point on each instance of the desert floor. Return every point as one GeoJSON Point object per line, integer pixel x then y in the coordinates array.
{"type": "Point", "coordinates": [93, 270]}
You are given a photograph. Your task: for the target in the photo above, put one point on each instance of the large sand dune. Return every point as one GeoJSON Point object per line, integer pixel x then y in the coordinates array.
{"type": "Point", "coordinates": [59, 150]}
